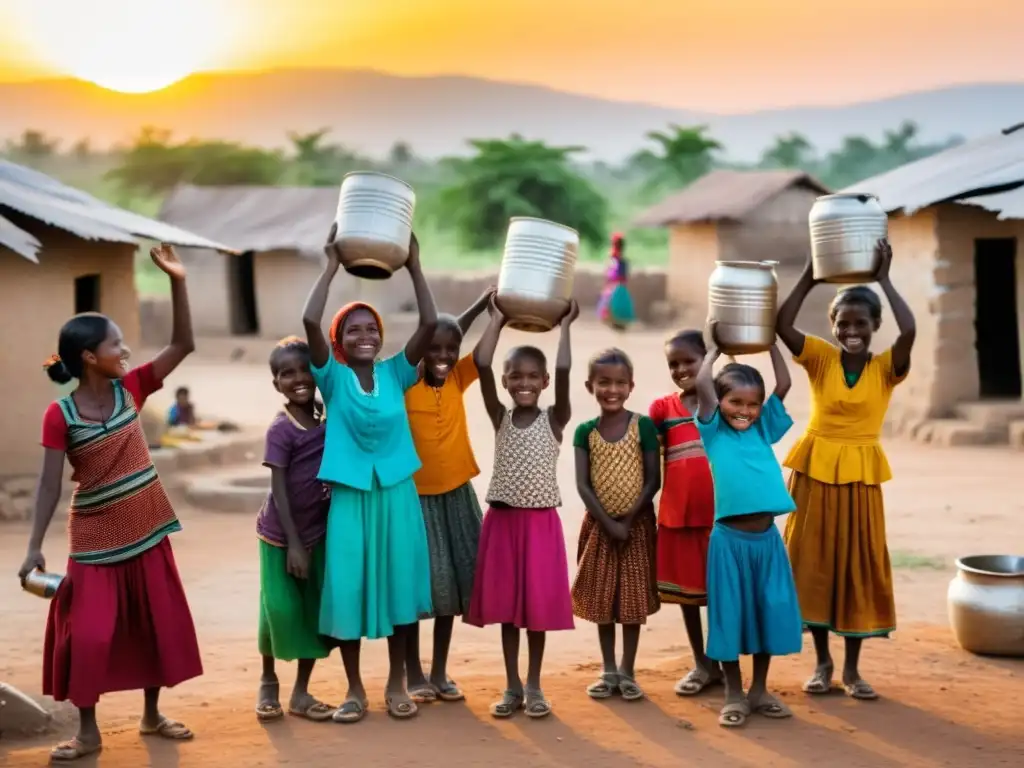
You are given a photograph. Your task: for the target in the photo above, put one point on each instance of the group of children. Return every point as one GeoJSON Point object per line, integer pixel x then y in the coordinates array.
{"type": "Point", "coordinates": [372, 522]}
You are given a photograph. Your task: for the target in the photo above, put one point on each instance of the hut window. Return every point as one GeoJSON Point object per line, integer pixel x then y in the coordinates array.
{"type": "Point", "coordinates": [87, 293]}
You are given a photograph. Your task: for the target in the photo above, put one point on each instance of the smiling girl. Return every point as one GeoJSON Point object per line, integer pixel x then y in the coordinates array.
{"type": "Point", "coordinates": [119, 620]}
{"type": "Point", "coordinates": [836, 537]}
{"type": "Point", "coordinates": [617, 476]}
{"type": "Point", "coordinates": [522, 576]}
{"type": "Point", "coordinates": [377, 575]}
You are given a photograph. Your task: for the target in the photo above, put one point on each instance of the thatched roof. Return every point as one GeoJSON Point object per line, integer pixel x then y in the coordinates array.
{"type": "Point", "coordinates": [725, 196]}
{"type": "Point", "coordinates": [38, 196]}
{"type": "Point", "coordinates": [256, 218]}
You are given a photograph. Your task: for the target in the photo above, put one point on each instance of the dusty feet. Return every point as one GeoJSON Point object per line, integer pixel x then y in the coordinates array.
{"type": "Point", "coordinates": [735, 712]}
{"type": "Point", "coordinates": [85, 743]}
{"type": "Point", "coordinates": [764, 704]}
{"type": "Point", "coordinates": [164, 728]}
{"type": "Point", "coordinates": [268, 701]}
{"type": "Point", "coordinates": [420, 689]}
{"type": "Point", "coordinates": [400, 704]}
{"type": "Point", "coordinates": [821, 681]}
{"type": "Point", "coordinates": [696, 680]}
{"type": "Point", "coordinates": [445, 688]}
{"type": "Point", "coordinates": [857, 687]}
{"type": "Point", "coordinates": [353, 709]}
{"type": "Point", "coordinates": [303, 704]}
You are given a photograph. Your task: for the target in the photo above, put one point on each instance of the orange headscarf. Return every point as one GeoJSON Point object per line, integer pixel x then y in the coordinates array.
{"type": "Point", "coordinates": [339, 321]}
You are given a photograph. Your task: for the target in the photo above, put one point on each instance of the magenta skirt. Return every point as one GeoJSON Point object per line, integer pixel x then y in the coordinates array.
{"type": "Point", "coordinates": [120, 627]}
{"type": "Point", "coordinates": [522, 575]}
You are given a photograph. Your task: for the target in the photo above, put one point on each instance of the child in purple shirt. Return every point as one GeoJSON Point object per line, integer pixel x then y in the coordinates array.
{"type": "Point", "coordinates": [291, 527]}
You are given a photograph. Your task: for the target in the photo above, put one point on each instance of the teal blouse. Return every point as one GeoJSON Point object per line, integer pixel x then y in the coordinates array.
{"type": "Point", "coordinates": [368, 433]}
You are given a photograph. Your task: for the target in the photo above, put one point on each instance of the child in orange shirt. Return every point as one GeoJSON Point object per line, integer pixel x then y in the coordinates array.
{"type": "Point", "coordinates": [451, 510]}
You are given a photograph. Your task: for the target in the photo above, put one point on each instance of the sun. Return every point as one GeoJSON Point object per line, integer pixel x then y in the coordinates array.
{"type": "Point", "coordinates": [132, 46]}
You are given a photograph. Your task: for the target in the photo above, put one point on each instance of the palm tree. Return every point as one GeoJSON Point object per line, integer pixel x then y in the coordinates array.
{"type": "Point", "coordinates": [790, 151]}
{"type": "Point", "coordinates": [683, 155]}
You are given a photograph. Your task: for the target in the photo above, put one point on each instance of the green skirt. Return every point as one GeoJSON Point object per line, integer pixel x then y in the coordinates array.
{"type": "Point", "coordinates": [453, 523]}
{"type": "Point", "coordinates": [289, 626]}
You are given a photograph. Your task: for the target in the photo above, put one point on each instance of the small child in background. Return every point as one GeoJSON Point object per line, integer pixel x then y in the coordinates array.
{"type": "Point", "coordinates": [752, 602]}
{"type": "Point", "coordinates": [686, 510]}
{"type": "Point", "coordinates": [617, 475]}
{"type": "Point", "coordinates": [291, 528]}
{"type": "Point", "coordinates": [182, 413]}
{"type": "Point", "coordinates": [451, 511]}
{"type": "Point", "coordinates": [522, 576]}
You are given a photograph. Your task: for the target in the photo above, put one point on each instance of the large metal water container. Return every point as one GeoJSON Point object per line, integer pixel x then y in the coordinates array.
{"type": "Point", "coordinates": [537, 269]}
{"type": "Point", "coordinates": [986, 604]}
{"type": "Point", "coordinates": [374, 224]}
{"type": "Point", "coordinates": [845, 228]}
{"type": "Point", "coordinates": [743, 298]}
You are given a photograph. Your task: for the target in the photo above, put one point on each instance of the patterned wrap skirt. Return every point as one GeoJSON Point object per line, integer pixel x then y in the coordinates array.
{"type": "Point", "coordinates": [836, 542]}
{"type": "Point", "coordinates": [616, 580]}
{"type": "Point", "coordinates": [289, 622]}
{"type": "Point", "coordinates": [119, 627]}
{"type": "Point", "coordinates": [752, 602]}
{"type": "Point", "coordinates": [453, 522]}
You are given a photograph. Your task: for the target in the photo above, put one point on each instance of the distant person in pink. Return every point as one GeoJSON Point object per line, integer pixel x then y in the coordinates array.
{"type": "Point", "coordinates": [615, 307]}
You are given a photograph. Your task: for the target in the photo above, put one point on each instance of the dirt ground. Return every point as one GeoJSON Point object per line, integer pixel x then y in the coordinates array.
{"type": "Point", "coordinates": [940, 705]}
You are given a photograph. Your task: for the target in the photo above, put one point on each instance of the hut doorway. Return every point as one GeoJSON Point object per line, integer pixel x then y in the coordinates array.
{"type": "Point", "coordinates": [87, 294]}
{"type": "Point", "coordinates": [242, 292]}
{"type": "Point", "coordinates": [996, 318]}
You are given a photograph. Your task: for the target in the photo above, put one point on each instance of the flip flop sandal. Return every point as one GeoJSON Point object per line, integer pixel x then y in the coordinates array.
{"type": "Point", "coordinates": [510, 703]}
{"type": "Point", "coordinates": [268, 711]}
{"type": "Point", "coordinates": [168, 729]}
{"type": "Point", "coordinates": [734, 715]}
{"type": "Point", "coordinates": [423, 694]}
{"type": "Point", "coordinates": [400, 710]}
{"type": "Point", "coordinates": [73, 749]}
{"type": "Point", "coordinates": [449, 692]}
{"type": "Point", "coordinates": [630, 690]}
{"type": "Point", "coordinates": [604, 688]}
{"type": "Point", "coordinates": [819, 684]}
{"type": "Point", "coordinates": [696, 680]}
{"type": "Point", "coordinates": [860, 690]}
{"type": "Point", "coordinates": [773, 709]}
{"type": "Point", "coordinates": [536, 705]}
{"type": "Point", "coordinates": [317, 712]}
{"type": "Point", "coordinates": [352, 711]}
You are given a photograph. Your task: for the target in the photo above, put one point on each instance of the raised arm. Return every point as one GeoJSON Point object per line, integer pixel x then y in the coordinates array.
{"type": "Point", "coordinates": [182, 343]}
{"type": "Point", "coordinates": [418, 343]}
{"type": "Point", "coordinates": [783, 381]}
{"type": "Point", "coordinates": [562, 410]}
{"type": "Point", "coordinates": [707, 400]}
{"type": "Point", "coordinates": [51, 480]}
{"type": "Point", "coordinates": [785, 321]}
{"type": "Point", "coordinates": [483, 358]}
{"type": "Point", "coordinates": [901, 311]}
{"type": "Point", "coordinates": [474, 310]}
{"type": "Point", "coordinates": [313, 312]}
{"type": "Point", "coordinates": [614, 528]}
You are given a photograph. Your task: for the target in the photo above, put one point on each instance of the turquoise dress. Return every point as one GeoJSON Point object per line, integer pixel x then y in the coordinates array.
{"type": "Point", "coordinates": [377, 574]}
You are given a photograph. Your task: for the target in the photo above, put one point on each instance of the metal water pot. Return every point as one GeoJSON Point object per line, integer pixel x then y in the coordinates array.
{"type": "Point", "coordinates": [537, 270]}
{"type": "Point", "coordinates": [743, 298]}
{"type": "Point", "coordinates": [42, 583]}
{"type": "Point", "coordinates": [986, 604]}
{"type": "Point", "coordinates": [374, 224]}
{"type": "Point", "coordinates": [844, 231]}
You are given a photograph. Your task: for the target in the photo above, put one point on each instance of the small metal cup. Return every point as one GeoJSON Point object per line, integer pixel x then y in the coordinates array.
{"type": "Point", "coordinates": [42, 583]}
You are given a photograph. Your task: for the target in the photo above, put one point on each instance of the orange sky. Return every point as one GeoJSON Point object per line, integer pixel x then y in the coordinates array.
{"type": "Point", "coordinates": [722, 55]}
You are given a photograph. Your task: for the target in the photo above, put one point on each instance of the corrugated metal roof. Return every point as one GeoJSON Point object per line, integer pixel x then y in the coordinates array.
{"type": "Point", "coordinates": [43, 198]}
{"type": "Point", "coordinates": [1009, 205]}
{"type": "Point", "coordinates": [978, 172]}
{"type": "Point", "coordinates": [256, 218]}
{"type": "Point", "coordinates": [724, 196]}
{"type": "Point", "coordinates": [18, 240]}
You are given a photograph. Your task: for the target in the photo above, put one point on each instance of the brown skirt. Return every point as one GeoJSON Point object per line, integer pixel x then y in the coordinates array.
{"type": "Point", "coordinates": [616, 580]}
{"type": "Point", "coordinates": [836, 543]}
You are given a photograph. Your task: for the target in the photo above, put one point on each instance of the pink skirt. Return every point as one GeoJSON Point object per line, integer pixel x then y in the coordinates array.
{"type": "Point", "coordinates": [522, 575]}
{"type": "Point", "coordinates": [120, 627]}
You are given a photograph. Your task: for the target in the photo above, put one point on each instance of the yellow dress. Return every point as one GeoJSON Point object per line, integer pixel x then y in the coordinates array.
{"type": "Point", "coordinates": [836, 537]}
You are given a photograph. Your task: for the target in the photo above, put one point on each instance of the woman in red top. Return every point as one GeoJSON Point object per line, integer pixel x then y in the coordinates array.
{"type": "Point", "coordinates": [686, 511]}
{"type": "Point", "coordinates": [119, 620]}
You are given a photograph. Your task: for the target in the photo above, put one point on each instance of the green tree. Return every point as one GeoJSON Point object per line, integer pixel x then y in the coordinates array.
{"type": "Point", "coordinates": [790, 151]}
{"type": "Point", "coordinates": [683, 154]}
{"type": "Point", "coordinates": [154, 164]}
{"type": "Point", "coordinates": [32, 147]}
{"type": "Point", "coordinates": [515, 177]}
{"type": "Point", "coordinates": [318, 164]}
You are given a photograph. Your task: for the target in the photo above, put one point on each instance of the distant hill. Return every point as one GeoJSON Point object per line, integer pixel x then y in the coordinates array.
{"type": "Point", "coordinates": [369, 111]}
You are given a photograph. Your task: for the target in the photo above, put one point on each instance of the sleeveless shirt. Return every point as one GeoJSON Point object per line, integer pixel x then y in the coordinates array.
{"type": "Point", "coordinates": [525, 465]}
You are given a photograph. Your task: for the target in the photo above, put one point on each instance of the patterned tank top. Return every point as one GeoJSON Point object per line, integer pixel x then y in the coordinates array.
{"type": "Point", "coordinates": [617, 469]}
{"type": "Point", "coordinates": [119, 508]}
{"type": "Point", "coordinates": [525, 465]}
